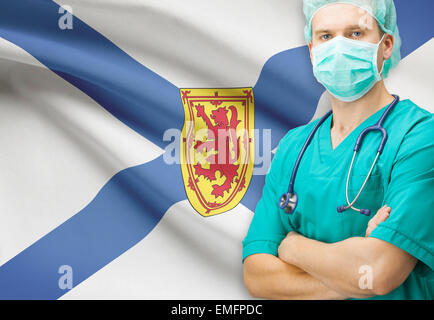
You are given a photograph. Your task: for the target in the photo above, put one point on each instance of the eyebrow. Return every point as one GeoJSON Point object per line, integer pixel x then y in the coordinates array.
{"type": "Point", "coordinates": [352, 27]}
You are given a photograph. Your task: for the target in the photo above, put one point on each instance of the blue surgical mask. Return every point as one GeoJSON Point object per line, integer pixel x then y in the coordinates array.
{"type": "Point", "coordinates": [347, 68]}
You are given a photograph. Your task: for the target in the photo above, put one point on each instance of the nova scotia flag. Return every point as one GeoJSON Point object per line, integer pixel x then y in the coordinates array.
{"type": "Point", "coordinates": [89, 206]}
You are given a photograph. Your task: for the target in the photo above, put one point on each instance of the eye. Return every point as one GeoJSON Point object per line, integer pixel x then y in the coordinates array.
{"type": "Point", "coordinates": [325, 37]}
{"type": "Point", "coordinates": [357, 34]}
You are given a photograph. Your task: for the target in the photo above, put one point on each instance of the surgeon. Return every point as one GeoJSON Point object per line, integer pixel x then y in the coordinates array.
{"type": "Point", "coordinates": [322, 244]}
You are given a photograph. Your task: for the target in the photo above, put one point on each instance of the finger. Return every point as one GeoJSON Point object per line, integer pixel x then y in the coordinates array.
{"type": "Point", "coordinates": [381, 215]}
{"type": "Point", "coordinates": [384, 214]}
{"type": "Point", "coordinates": [368, 232]}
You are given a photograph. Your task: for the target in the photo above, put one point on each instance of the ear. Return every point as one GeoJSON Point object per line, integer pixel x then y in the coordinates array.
{"type": "Point", "coordinates": [388, 43]}
{"type": "Point", "coordinates": [310, 50]}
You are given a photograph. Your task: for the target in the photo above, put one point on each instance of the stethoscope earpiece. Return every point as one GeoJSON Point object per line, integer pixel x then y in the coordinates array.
{"type": "Point", "coordinates": [365, 212]}
{"type": "Point", "coordinates": [341, 209]}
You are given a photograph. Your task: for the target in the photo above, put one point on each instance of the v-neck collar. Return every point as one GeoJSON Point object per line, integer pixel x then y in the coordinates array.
{"type": "Point", "coordinates": [351, 137]}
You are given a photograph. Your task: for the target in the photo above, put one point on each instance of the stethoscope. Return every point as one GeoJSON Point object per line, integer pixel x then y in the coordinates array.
{"type": "Point", "coordinates": [289, 200]}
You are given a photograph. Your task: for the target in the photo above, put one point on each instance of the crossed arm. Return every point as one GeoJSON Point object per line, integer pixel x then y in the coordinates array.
{"type": "Point", "coordinates": [310, 269]}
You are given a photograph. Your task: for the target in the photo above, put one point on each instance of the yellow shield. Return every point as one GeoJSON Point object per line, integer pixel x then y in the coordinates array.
{"type": "Point", "coordinates": [217, 147]}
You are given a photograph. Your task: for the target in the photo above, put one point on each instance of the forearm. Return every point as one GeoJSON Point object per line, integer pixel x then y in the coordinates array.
{"type": "Point", "coordinates": [338, 265]}
{"type": "Point", "coordinates": [269, 277]}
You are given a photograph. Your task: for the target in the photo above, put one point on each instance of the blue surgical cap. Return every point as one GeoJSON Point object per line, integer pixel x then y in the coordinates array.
{"type": "Point", "coordinates": [382, 10]}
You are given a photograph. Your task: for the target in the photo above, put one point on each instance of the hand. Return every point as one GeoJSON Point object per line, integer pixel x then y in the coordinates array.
{"type": "Point", "coordinates": [287, 246]}
{"type": "Point", "coordinates": [381, 216]}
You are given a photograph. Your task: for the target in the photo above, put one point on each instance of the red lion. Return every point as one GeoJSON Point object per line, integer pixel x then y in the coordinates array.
{"type": "Point", "coordinates": [227, 168]}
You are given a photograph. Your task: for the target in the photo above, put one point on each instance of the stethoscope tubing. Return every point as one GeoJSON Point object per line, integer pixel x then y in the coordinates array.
{"type": "Point", "coordinates": [303, 150]}
{"type": "Point", "coordinates": [285, 200]}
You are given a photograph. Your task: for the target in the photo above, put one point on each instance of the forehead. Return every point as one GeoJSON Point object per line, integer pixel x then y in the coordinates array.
{"type": "Point", "coordinates": [340, 16]}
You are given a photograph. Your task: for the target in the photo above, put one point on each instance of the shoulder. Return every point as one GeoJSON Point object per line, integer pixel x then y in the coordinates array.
{"type": "Point", "coordinates": [414, 127]}
{"type": "Point", "coordinates": [410, 105]}
{"type": "Point", "coordinates": [410, 114]}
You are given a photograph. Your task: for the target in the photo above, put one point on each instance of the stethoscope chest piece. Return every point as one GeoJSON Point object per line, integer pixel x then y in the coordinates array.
{"type": "Point", "coordinates": [288, 202]}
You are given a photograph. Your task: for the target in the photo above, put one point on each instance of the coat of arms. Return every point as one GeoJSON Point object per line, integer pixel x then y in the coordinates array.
{"type": "Point", "coordinates": [217, 147]}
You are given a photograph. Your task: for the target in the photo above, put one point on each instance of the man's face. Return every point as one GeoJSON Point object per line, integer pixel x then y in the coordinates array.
{"type": "Point", "coordinates": [352, 22]}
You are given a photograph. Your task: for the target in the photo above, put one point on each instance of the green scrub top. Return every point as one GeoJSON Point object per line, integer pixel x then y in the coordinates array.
{"type": "Point", "coordinates": [403, 178]}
